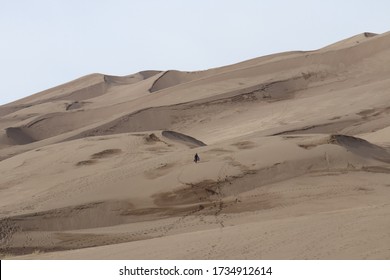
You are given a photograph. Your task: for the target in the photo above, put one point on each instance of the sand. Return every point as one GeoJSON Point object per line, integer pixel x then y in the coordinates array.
{"type": "Point", "coordinates": [294, 148]}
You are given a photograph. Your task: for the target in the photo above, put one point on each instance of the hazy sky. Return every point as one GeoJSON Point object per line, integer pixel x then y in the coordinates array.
{"type": "Point", "coordinates": [48, 42]}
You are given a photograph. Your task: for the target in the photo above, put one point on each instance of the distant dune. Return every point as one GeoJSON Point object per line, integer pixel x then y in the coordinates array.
{"type": "Point", "coordinates": [294, 152]}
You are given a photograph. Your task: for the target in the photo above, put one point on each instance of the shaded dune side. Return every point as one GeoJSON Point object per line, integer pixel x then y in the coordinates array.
{"type": "Point", "coordinates": [54, 124]}
{"type": "Point", "coordinates": [18, 136]}
{"type": "Point", "coordinates": [361, 147]}
{"type": "Point", "coordinates": [185, 139]}
{"type": "Point", "coordinates": [46, 126]}
{"type": "Point", "coordinates": [172, 78]}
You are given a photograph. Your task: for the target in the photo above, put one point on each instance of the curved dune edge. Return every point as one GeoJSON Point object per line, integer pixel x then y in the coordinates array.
{"type": "Point", "coordinates": [361, 147]}
{"type": "Point", "coordinates": [182, 138]}
{"type": "Point", "coordinates": [172, 78]}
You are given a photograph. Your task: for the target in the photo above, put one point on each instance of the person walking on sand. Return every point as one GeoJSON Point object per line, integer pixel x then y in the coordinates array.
{"type": "Point", "coordinates": [196, 158]}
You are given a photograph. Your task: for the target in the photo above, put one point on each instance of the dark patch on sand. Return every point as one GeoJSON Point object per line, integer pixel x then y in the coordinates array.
{"type": "Point", "coordinates": [86, 162]}
{"type": "Point", "coordinates": [74, 105]}
{"type": "Point", "coordinates": [19, 136]}
{"type": "Point", "coordinates": [106, 153]}
{"type": "Point", "coordinates": [185, 139]}
{"type": "Point", "coordinates": [151, 138]}
{"type": "Point", "coordinates": [243, 145]}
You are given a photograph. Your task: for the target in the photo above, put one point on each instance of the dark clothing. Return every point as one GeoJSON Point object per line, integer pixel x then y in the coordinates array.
{"type": "Point", "coordinates": [196, 158]}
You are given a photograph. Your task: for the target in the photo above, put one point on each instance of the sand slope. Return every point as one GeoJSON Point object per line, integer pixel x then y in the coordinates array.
{"type": "Point", "coordinates": [294, 163]}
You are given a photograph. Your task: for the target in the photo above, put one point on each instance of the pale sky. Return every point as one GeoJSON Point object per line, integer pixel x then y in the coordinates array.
{"type": "Point", "coordinates": [45, 43]}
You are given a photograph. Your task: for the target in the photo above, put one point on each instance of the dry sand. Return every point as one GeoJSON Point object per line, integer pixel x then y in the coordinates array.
{"type": "Point", "coordinates": [295, 161]}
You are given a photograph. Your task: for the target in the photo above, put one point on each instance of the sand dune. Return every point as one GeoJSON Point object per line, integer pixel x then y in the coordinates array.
{"type": "Point", "coordinates": [172, 78]}
{"type": "Point", "coordinates": [294, 163]}
{"type": "Point", "coordinates": [352, 41]}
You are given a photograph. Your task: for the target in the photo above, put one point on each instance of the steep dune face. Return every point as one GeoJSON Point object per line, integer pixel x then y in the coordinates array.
{"type": "Point", "coordinates": [18, 136]}
{"type": "Point", "coordinates": [173, 78]}
{"type": "Point", "coordinates": [362, 147]}
{"type": "Point", "coordinates": [294, 152]}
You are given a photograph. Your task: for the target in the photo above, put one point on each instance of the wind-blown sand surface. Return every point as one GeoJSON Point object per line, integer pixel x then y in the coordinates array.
{"type": "Point", "coordinates": [295, 161]}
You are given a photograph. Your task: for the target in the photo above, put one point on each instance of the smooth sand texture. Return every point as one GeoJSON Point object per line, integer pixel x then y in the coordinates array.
{"type": "Point", "coordinates": [294, 161]}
